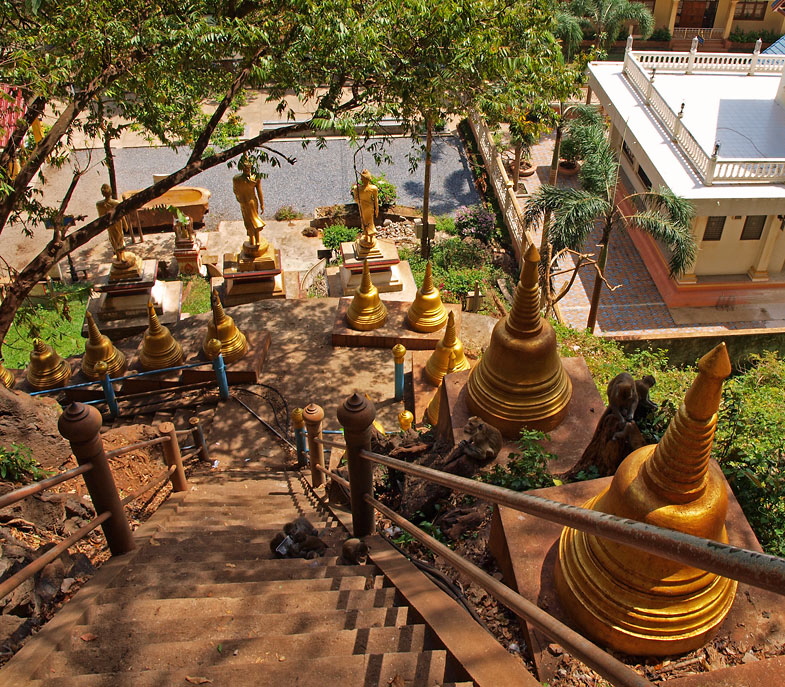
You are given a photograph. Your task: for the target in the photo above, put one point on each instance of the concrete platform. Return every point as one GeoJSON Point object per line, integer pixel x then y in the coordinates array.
{"type": "Point", "coordinates": [395, 330]}
{"type": "Point", "coordinates": [526, 549]}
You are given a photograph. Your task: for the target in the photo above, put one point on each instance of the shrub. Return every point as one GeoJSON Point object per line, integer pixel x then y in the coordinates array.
{"type": "Point", "coordinates": [525, 470]}
{"type": "Point", "coordinates": [661, 34]}
{"type": "Point", "coordinates": [336, 234]}
{"type": "Point", "coordinates": [388, 193]}
{"type": "Point", "coordinates": [18, 465]}
{"type": "Point", "coordinates": [455, 253]}
{"type": "Point", "coordinates": [739, 36]}
{"type": "Point", "coordinates": [287, 212]}
{"type": "Point", "coordinates": [475, 221]}
{"type": "Point", "coordinates": [446, 224]}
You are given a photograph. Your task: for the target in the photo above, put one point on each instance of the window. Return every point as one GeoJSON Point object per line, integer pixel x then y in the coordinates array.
{"type": "Point", "coordinates": [648, 4]}
{"type": "Point", "coordinates": [714, 227]}
{"type": "Point", "coordinates": [753, 228]}
{"type": "Point", "coordinates": [644, 177]}
{"type": "Point", "coordinates": [750, 10]}
{"type": "Point", "coordinates": [627, 151]}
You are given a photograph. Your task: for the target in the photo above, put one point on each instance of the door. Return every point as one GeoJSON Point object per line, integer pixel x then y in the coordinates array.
{"type": "Point", "coordinates": [692, 13]}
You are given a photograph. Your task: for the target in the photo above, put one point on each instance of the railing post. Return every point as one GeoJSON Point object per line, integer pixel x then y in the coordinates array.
{"type": "Point", "coordinates": [678, 125]}
{"type": "Point", "coordinates": [213, 349]}
{"type": "Point", "coordinates": [399, 354]}
{"type": "Point", "coordinates": [299, 435]}
{"type": "Point", "coordinates": [356, 415]}
{"type": "Point", "coordinates": [102, 370]}
{"type": "Point", "coordinates": [80, 425]}
{"type": "Point", "coordinates": [691, 58]}
{"type": "Point", "coordinates": [172, 456]}
{"type": "Point", "coordinates": [755, 57]}
{"type": "Point", "coordinates": [650, 86]}
{"type": "Point", "coordinates": [199, 440]}
{"type": "Point", "coordinates": [711, 167]}
{"type": "Point", "coordinates": [313, 416]}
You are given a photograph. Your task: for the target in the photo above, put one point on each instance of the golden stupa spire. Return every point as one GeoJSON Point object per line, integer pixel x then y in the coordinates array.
{"type": "Point", "coordinates": [159, 348]}
{"type": "Point", "coordinates": [47, 369]}
{"type": "Point", "coordinates": [366, 311]}
{"type": "Point", "coordinates": [448, 356]}
{"type": "Point", "coordinates": [427, 313]}
{"type": "Point", "coordinates": [234, 345]}
{"type": "Point", "coordinates": [520, 380]}
{"type": "Point", "coordinates": [636, 602]}
{"type": "Point", "coordinates": [99, 347]}
{"type": "Point", "coordinates": [6, 377]}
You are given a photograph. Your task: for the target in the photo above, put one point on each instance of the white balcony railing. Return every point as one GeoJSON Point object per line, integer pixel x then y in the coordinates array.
{"type": "Point", "coordinates": [640, 68]}
{"type": "Point", "coordinates": [682, 33]}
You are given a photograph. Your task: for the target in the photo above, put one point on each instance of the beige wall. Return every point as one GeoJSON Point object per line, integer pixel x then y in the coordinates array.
{"type": "Point", "coordinates": [727, 256]}
{"type": "Point", "coordinates": [773, 21]}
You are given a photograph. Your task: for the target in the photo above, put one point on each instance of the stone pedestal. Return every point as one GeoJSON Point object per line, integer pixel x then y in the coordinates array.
{"type": "Point", "coordinates": [188, 256]}
{"type": "Point", "coordinates": [249, 277]}
{"type": "Point", "coordinates": [382, 261]}
{"type": "Point", "coordinates": [120, 306]}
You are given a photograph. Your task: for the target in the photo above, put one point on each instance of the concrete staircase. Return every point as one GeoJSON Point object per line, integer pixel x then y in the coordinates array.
{"type": "Point", "coordinates": [709, 45]}
{"type": "Point", "coordinates": [202, 601]}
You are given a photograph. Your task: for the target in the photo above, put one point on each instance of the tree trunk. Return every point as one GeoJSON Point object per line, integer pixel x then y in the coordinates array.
{"type": "Point", "coordinates": [598, 281]}
{"type": "Point", "coordinates": [109, 157]}
{"type": "Point", "coordinates": [425, 241]}
{"type": "Point", "coordinates": [516, 168]}
{"type": "Point", "coordinates": [546, 291]}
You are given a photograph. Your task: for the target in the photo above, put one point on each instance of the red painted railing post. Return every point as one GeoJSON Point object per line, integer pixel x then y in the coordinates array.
{"type": "Point", "coordinates": [172, 456]}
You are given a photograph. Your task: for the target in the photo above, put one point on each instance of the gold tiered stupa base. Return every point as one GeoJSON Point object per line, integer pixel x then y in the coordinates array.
{"type": "Point", "coordinates": [6, 377]}
{"type": "Point", "coordinates": [47, 369]}
{"type": "Point", "coordinates": [427, 313]}
{"type": "Point", "coordinates": [159, 348]}
{"type": "Point", "coordinates": [99, 348]}
{"type": "Point", "coordinates": [637, 602]}
{"type": "Point", "coordinates": [366, 311]}
{"type": "Point", "coordinates": [222, 328]}
{"type": "Point", "coordinates": [447, 357]}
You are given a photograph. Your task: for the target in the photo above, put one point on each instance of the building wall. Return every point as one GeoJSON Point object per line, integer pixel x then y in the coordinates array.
{"type": "Point", "coordinates": [664, 16]}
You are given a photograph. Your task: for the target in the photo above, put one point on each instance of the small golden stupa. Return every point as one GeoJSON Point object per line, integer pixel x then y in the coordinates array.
{"type": "Point", "coordinates": [6, 377]}
{"type": "Point", "coordinates": [427, 313]}
{"type": "Point", "coordinates": [520, 381]}
{"type": "Point", "coordinates": [99, 347]}
{"type": "Point", "coordinates": [366, 311]}
{"type": "Point", "coordinates": [448, 355]}
{"type": "Point", "coordinates": [432, 410]}
{"type": "Point", "coordinates": [159, 348]}
{"type": "Point", "coordinates": [634, 601]}
{"type": "Point", "coordinates": [234, 345]}
{"type": "Point", "coordinates": [47, 369]}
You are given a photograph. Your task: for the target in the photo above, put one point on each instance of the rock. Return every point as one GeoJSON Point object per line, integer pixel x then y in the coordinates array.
{"type": "Point", "coordinates": [79, 508]}
{"type": "Point", "coordinates": [749, 657]}
{"type": "Point", "coordinates": [45, 510]}
{"type": "Point", "coordinates": [388, 222]}
{"type": "Point", "coordinates": [81, 567]}
{"type": "Point", "coordinates": [66, 585]}
{"type": "Point", "coordinates": [310, 232]}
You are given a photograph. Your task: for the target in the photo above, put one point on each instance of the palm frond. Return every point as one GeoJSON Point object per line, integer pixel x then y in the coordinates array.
{"type": "Point", "coordinates": [675, 235]}
{"type": "Point", "coordinates": [574, 218]}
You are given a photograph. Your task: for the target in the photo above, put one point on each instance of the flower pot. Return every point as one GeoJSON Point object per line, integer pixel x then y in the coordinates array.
{"type": "Point", "coordinates": [568, 169]}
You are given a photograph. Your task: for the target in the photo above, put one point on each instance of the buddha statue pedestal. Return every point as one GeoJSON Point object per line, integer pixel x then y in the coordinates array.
{"type": "Point", "coordinates": [120, 305]}
{"type": "Point", "coordinates": [254, 274]}
{"type": "Point", "coordinates": [188, 252]}
{"type": "Point", "coordinates": [382, 260]}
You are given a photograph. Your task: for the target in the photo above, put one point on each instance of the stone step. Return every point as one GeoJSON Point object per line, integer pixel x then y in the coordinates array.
{"type": "Point", "coordinates": [238, 589]}
{"type": "Point", "coordinates": [184, 540]}
{"type": "Point", "coordinates": [425, 669]}
{"type": "Point", "coordinates": [267, 604]}
{"type": "Point", "coordinates": [106, 656]}
{"type": "Point", "coordinates": [232, 626]}
{"type": "Point", "coordinates": [291, 569]}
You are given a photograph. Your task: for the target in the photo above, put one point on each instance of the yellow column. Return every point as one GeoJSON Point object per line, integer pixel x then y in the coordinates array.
{"type": "Point", "coordinates": [698, 227]}
{"type": "Point", "coordinates": [672, 18]}
{"type": "Point", "coordinates": [760, 270]}
{"type": "Point", "coordinates": [729, 19]}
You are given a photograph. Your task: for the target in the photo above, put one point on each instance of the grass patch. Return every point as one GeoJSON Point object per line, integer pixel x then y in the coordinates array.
{"type": "Point", "coordinates": [57, 320]}
{"type": "Point", "coordinates": [198, 299]}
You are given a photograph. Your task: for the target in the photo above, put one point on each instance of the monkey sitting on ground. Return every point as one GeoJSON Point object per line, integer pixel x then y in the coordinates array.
{"type": "Point", "coordinates": [354, 551]}
{"type": "Point", "coordinates": [628, 399]}
{"type": "Point", "coordinates": [299, 539]}
{"type": "Point", "coordinates": [483, 441]}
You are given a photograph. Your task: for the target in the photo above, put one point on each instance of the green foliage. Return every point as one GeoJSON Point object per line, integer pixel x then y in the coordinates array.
{"type": "Point", "coordinates": [287, 212]}
{"type": "Point", "coordinates": [527, 469]}
{"type": "Point", "coordinates": [198, 298]}
{"type": "Point", "coordinates": [57, 319]}
{"type": "Point", "coordinates": [388, 193]}
{"type": "Point", "coordinates": [739, 36]}
{"type": "Point", "coordinates": [660, 34]}
{"type": "Point", "coordinates": [18, 465]}
{"type": "Point", "coordinates": [608, 18]}
{"type": "Point", "coordinates": [336, 234]}
{"type": "Point", "coordinates": [446, 224]}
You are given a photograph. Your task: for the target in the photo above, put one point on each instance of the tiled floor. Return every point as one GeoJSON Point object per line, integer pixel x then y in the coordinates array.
{"type": "Point", "coordinates": [635, 305]}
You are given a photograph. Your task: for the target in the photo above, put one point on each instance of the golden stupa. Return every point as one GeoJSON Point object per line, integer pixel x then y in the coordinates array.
{"type": "Point", "coordinates": [234, 345]}
{"type": "Point", "coordinates": [432, 410]}
{"type": "Point", "coordinates": [6, 377]}
{"type": "Point", "coordinates": [47, 369]}
{"type": "Point", "coordinates": [366, 311]}
{"type": "Point", "coordinates": [520, 381]}
{"type": "Point", "coordinates": [448, 355]}
{"type": "Point", "coordinates": [159, 348]}
{"type": "Point", "coordinates": [634, 601]}
{"type": "Point", "coordinates": [427, 313]}
{"type": "Point", "coordinates": [99, 347]}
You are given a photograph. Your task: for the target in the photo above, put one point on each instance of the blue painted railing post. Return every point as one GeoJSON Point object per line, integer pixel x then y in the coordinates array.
{"type": "Point", "coordinates": [214, 352]}
{"type": "Point", "coordinates": [298, 424]}
{"type": "Point", "coordinates": [102, 369]}
{"type": "Point", "coordinates": [399, 353]}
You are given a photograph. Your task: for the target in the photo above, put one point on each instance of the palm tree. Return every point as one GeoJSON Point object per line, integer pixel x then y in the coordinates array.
{"type": "Point", "coordinates": [575, 212]}
{"type": "Point", "coordinates": [608, 17]}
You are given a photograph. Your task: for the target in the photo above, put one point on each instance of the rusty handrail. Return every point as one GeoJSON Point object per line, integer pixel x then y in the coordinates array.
{"type": "Point", "coordinates": [606, 665]}
{"type": "Point", "coordinates": [7, 586]}
{"type": "Point", "coordinates": [133, 447]}
{"type": "Point", "coordinates": [752, 567]}
{"type": "Point", "coordinates": [150, 484]}
{"type": "Point", "coordinates": [333, 476]}
{"type": "Point", "coordinates": [23, 492]}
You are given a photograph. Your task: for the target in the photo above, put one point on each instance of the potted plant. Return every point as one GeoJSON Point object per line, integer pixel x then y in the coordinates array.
{"type": "Point", "coordinates": [569, 154]}
{"type": "Point", "coordinates": [525, 132]}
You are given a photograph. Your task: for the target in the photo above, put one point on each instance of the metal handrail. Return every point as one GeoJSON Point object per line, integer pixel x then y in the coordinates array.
{"type": "Point", "coordinates": [593, 656]}
{"type": "Point", "coordinates": [23, 492]}
{"type": "Point", "coordinates": [133, 447]}
{"type": "Point", "coordinates": [42, 561]}
{"type": "Point", "coordinates": [147, 486]}
{"type": "Point", "coordinates": [752, 567]}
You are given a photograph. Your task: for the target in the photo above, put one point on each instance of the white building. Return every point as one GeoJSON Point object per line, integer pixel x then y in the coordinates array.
{"type": "Point", "coordinates": [711, 127]}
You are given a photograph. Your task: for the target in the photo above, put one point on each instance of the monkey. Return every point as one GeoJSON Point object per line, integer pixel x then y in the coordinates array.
{"type": "Point", "coordinates": [310, 547]}
{"type": "Point", "coordinates": [299, 528]}
{"type": "Point", "coordinates": [299, 539]}
{"type": "Point", "coordinates": [484, 441]}
{"type": "Point", "coordinates": [354, 551]}
{"type": "Point", "coordinates": [622, 400]}
{"type": "Point", "coordinates": [645, 404]}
